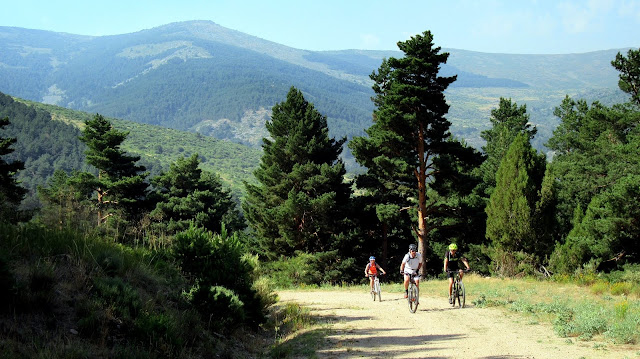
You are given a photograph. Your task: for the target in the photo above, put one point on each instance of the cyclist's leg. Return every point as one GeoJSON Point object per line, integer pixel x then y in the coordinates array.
{"type": "Point", "coordinates": [461, 272]}
{"type": "Point", "coordinates": [371, 282]}
{"type": "Point", "coordinates": [406, 284]}
{"type": "Point", "coordinates": [450, 285]}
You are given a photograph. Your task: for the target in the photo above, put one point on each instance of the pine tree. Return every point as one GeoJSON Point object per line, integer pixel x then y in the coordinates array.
{"type": "Point", "coordinates": [410, 131]}
{"type": "Point", "coordinates": [188, 194]}
{"type": "Point", "coordinates": [507, 121]}
{"type": "Point", "coordinates": [120, 183]}
{"type": "Point", "coordinates": [11, 193]}
{"type": "Point", "coordinates": [300, 201]}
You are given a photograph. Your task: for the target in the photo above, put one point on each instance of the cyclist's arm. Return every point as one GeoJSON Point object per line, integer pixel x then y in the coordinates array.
{"type": "Point", "coordinates": [366, 269]}
{"type": "Point", "coordinates": [446, 264]}
{"type": "Point", "coordinates": [466, 263]}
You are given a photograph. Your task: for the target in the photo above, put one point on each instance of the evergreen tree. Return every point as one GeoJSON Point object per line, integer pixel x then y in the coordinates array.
{"type": "Point", "coordinates": [120, 183]}
{"type": "Point", "coordinates": [507, 121]}
{"type": "Point", "coordinates": [511, 212]}
{"type": "Point", "coordinates": [300, 201]}
{"type": "Point", "coordinates": [629, 68]}
{"type": "Point", "coordinates": [11, 193]}
{"type": "Point", "coordinates": [188, 194]}
{"type": "Point", "coordinates": [410, 132]}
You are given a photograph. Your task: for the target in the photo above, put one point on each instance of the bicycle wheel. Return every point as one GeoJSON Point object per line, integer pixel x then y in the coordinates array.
{"type": "Point", "coordinates": [378, 290]}
{"type": "Point", "coordinates": [454, 294]}
{"type": "Point", "coordinates": [413, 298]}
{"type": "Point", "coordinates": [461, 295]}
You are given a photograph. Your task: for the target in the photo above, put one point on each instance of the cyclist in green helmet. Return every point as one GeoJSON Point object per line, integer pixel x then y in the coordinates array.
{"type": "Point", "coordinates": [451, 264]}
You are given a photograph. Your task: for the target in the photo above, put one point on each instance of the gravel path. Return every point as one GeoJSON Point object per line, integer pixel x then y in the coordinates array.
{"type": "Point", "coordinates": [361, 328]}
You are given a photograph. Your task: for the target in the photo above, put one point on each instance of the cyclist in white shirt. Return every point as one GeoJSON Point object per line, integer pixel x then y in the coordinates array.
{"type": "Point", "coordinates": [411, 264]}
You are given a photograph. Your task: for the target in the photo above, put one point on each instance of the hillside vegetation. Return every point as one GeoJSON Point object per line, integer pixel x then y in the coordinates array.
{"type": "Point", "coordinates": [198, 76]}
{"type": "Point", "coordinates": [48, 140]}
{"type": "Point", "coordinates": [126, 255]}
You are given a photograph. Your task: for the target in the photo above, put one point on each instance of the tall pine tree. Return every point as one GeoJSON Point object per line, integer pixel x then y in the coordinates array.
{"type": "Point", "coordinates": [300, 201]}
{"type": "Point", "coordinates": [410, 132]}
{"type": "Point", "coordinates": [120, 183]}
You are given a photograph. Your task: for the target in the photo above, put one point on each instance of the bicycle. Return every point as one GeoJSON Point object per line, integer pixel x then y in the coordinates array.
{"type": "Point", "coordinates": [457, 292]}
{"type": "Point", "coordinates": [413, 293]}
{"type": "Point", "coordinates": [376, 288]}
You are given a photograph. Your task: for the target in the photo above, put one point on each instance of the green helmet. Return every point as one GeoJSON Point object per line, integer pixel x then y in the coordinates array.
{"type": "Point", "coordinates": [453, 247]}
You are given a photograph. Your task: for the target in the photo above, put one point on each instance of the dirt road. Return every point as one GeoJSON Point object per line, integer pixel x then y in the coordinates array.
{"type": "Point", "coordinates": [361, 328]}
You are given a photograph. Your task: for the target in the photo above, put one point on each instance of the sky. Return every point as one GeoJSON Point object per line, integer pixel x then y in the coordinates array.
{"type": "Point", "coordinates": [494, 26]}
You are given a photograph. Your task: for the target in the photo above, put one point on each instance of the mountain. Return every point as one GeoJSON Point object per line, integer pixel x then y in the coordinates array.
{"type": "Point", "coordinates": [201, 77]}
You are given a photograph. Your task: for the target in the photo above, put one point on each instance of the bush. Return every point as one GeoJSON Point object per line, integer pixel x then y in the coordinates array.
{"type": "Point", "coordinates": [509, 264]}
{"type": "Point", "coordinates": [222, 308]}
{"type": "Point", "coordinates": [124, 298]}
{"type": "Point", "coordinates": [313, 269]}
{"type": "Point", "coordinates": [219, 260]}
{"type": "Point", "coordinates": [621, 288]}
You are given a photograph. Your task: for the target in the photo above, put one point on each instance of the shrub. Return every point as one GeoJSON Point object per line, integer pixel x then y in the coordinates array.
{"type": "Point", "coordinates": [621, 288]}
{"type": "Point", "coordinates": [222, 308]}
{"type": "Point", "coordinates": [219, 260]}
{"type": "Point", "coordinates": [312, 269]}
{"type": "Point", "coordinates": [508, 264]}
{"type": "Point", "coordinates": [600, 287]}
{"type": "Point", "coordinates": [124, 298]}
{"type": "Point", "coordinates": [157, 328]}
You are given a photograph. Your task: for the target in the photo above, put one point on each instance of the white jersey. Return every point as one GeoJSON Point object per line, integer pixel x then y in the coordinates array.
{"type": "Point", "coordinates": [411, 264]}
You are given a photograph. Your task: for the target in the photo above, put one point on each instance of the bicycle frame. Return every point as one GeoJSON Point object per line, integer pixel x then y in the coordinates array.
{"type": "Point", "coordinates": [457, 291]}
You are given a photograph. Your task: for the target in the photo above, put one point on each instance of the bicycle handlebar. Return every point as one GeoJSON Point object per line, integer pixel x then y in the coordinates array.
{"type": "Point", "coordinates": [458, 270]}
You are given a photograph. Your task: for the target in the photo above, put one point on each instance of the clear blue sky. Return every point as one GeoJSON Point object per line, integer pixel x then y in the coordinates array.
{"type": "Point", "coordinates": [498, 26]}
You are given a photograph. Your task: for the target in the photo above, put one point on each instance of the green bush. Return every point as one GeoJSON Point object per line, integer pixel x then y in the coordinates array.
{"type": "Point", "coordinates": [124, 298]}
{"type": "Point", "coordinates": [220, 260]}
{"type": "Point", "coordinates": [621, 288]}
{"type": "Point", "coordinates": [312, 269]}
{"type": "Point", "coordinates": [157, 328]}
{"type": "Point", "coordinates": [584, 321]}
{"type": "Point", "coordinates": [222, 308]}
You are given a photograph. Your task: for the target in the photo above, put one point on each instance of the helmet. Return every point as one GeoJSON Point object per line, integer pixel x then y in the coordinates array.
{"type": "Point", "coordinates": [372, 258]}
{"type": "Point", "coordinates": [453, 247]}
{"type": "Point", "coordinates": [413, 247]}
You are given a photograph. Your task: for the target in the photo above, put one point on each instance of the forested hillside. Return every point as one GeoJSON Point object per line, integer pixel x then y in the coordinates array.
{"type": "Point", "coordinates": [200, 77]}
{"type": "Point", "coordinates": [47, 140]}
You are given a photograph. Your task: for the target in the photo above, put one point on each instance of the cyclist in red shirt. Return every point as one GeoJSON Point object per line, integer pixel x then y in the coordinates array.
{"type": "Point", "coordinates": [371, 270]}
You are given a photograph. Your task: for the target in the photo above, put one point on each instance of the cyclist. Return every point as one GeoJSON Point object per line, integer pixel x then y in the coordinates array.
{"type": "Point", "coordinates": [451, 263]}
{"type": "Point", "coordinates": [371, 270]}
{"type": "Point", "coordinates": [410, 265]}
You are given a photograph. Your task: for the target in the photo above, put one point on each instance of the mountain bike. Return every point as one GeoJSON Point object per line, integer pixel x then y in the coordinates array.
{"type": "Point", "coordinates": [376, 288]}
{"type": "Point", "coordinates": [457, 292]}
{"type": "Point", "coordinates": [413, 295]}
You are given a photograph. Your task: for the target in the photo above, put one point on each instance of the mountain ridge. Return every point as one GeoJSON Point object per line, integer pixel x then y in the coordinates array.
{"type": "Point", "coordinates": [199, 76]}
